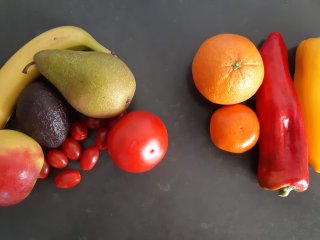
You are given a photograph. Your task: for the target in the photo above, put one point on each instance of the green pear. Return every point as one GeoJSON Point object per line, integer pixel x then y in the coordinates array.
{"type": "Point", "coordinates": [96, 84]}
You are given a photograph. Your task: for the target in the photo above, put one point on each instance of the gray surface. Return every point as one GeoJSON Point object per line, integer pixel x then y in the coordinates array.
{"type": "Point", "coordinates": [197, 192]}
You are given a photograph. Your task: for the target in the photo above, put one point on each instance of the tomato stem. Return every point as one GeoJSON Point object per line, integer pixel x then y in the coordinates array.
{"type": "Point", "coordinates": [284, 192]}
{"type": "Point", "coordinates": [236, 65]}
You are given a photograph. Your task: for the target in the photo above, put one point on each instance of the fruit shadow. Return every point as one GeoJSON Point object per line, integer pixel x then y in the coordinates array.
{"type": "Point", "coordinates": [199, 99]}
{"type": "Point", "coordinates": [291, 59]}
{"type": "Point", "coordinates": [253, 154]}
{"type": "Point", "coordinates": [13, 123]}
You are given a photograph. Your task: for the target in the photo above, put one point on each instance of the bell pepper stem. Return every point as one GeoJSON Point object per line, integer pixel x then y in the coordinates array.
{"type": "Point", "coordinates": [284, 192]}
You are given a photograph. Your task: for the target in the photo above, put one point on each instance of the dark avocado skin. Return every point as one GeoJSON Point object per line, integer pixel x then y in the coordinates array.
{"type": "Point", "coordinates": [42, 113]}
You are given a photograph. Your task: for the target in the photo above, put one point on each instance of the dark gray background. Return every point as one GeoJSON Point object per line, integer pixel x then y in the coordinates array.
{"type": "Point", "coordinates": [198, 191]}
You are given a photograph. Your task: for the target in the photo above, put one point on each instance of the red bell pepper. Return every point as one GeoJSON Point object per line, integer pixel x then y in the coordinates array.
{"type": "Point", "coordinates": [283, 153]}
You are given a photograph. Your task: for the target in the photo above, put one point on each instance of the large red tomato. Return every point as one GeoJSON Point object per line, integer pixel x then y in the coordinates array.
{"type": "Point", "coordinates": [138, 141]}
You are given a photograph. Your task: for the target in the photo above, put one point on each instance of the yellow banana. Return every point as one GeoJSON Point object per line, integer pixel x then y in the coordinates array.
{"type": "Point", "coordinates": [13, 80]}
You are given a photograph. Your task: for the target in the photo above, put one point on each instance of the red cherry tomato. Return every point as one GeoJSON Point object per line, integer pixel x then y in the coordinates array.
{"type": "Point", "coordinates": [101, 138]}
{"type": "Point", "coordinates": [138, 141]}
{"type": "Point", "coordinates": [93, 123]}
{"type": "Point", "coordinates": [71, 148]}
{"type": "Point", "coordinates": [67, 179]}
{"type": "Point", "coordinates": [89, 158]}
{"type": "Point", "coordinates": [79, 131]}
{"type": "Point", "coordinates": [45, 170]}
{"type": "Point", "coordinates": [110, 122]}
{"type": "Point", "coordinates": [57, 159]}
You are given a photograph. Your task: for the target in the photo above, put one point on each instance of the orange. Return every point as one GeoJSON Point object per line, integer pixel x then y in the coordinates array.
{"type": "Point", "coordinates": [227, 69]}
{"type": "Point", "coordinates": [234, 128]}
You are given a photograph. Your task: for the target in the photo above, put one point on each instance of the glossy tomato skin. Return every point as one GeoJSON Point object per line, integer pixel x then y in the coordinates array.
{"type": "Point", "coordinates": [67, 179]}
{"type": "Point", "coordinates": [101, 138]}
{"type": "Point", "coordinates": [89, 158]}
{"type": "Point", "coordinates": [71, 148]}
{"type": "Point", "coordinates": [57, 158]}
{"type": "Point", "coordinates": [138, 141]}
{"type": "Point", "coordinates": [79, 130]}
{"type": "Point", "coordinates": [93, 123]}
{"type": "Point", "coordinates": [44, 170]}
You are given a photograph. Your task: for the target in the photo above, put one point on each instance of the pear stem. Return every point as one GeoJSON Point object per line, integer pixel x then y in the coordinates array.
{"type": "Point", "coordinates": [128, 102]}
{"type": "Point", "coordinates": [113, 54]}
{"type": "Point", "coordinates": [25, 70]}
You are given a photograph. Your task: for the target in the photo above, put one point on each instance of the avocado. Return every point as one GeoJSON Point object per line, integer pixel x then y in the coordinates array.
{"type": "Point", "coordinates": [42, 113]}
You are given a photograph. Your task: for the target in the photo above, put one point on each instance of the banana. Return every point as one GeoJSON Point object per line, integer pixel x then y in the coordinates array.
{"type": "Point", "coordinates": [13, 80]}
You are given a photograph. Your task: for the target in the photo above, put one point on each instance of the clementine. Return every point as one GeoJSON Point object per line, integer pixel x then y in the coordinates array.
{"type": "Point", "coordinates": [234, 128]}
{"type": "Point", "coordinates": [227, 69]}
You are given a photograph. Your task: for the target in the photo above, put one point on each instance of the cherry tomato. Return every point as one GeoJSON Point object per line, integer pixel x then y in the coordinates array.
{"type": "Point", "coordinates": [110, 122]}
{"type": "Point", "coordinates": [101, 138]}
{"type": "Point", "coordinates": [138, 141]}
{"type": "Point", "coordinates": [67, 179]}
{"type": "Point", "coordinates": [45, 170]}
{"type": "Point", "coordinates": [79, 131]}
{"type": "Point", "coordinates": [57, 159]}
{"type": "Point", "coordinates": [89, 158]}
{"type": "Point", "coordinates": [93, 123]}
{"type": "Point", "coordinates": [71, 148]}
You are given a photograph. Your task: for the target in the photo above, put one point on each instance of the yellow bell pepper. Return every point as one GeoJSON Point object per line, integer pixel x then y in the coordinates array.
{"type": "Point", "coordinates": [307, 84]}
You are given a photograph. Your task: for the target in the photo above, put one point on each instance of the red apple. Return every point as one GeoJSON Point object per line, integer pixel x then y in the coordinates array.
{"type": "Point", "coordinates": [21, 160]}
